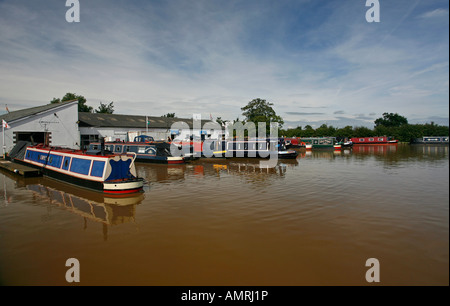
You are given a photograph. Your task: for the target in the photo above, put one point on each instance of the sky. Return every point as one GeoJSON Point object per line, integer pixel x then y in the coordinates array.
{"type": "Point", "coordinates": [318, 62]}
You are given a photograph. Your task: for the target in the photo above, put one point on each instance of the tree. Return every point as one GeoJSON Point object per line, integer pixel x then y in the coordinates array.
{"type": "Point", "coordinates": [169, 115]}
{"type": "Point", "coordinates": [105, 109]}
{"type": "Point", "coordinates": [259, 110]}
{"type": "Point", "coordinates": [308, 131]}
{"type": "Point", "coordinates": [82, 107]}
{"type": "Point", "coordinates": [347, 131]}
{"type": "Point", "coordinates": [391, 120]}
{"type": "Point", "coordinates": [220, 121]}
{"type": "Point", "coordinates": [362, 131]}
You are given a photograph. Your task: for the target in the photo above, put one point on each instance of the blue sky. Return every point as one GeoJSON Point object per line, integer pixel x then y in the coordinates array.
{"type": "Point", "coordinates": [316, 61]}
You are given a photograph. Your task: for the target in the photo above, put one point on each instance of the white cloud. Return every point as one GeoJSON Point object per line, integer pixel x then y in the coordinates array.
{"type": "Point", "coordinates": [214, 57]}
{"type": "Point", "coordinates": [439, 12]}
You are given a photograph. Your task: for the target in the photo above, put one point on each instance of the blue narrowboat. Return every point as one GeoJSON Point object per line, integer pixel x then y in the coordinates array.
{"type": "Point", "coordinates": [146, 149]}
{"type": "Point", "coordinates": [108, 173]}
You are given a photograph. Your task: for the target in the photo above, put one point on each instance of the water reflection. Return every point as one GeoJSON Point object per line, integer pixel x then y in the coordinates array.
{"type": "Point", "coordinates": [374, 149]}
{"type": "Point", "coordinates": [323, 154]}
{"type": "Point", "coordinates": [215, 167]}
{"type": "Point", "coordinates": [161, 173]}
{"type": "Point", "coordinates": [90, 205]}
{"type": "Point", "coordinates": [252, 168]}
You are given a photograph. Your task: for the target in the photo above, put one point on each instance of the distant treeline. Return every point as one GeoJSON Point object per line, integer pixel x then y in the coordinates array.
{"type": "Point", "coordinates": [404, 133]}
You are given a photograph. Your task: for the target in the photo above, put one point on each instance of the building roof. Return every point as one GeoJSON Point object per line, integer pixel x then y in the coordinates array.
{"type": "Point", "coordinates": [23, 113]}
{"type": "Point", "coordinates": [129, 121]}
{"type": "Point", "coordinates": [101, 119]}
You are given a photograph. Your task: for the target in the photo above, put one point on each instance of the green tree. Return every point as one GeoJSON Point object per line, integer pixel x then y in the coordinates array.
{"type": "Point", "coordinates": [259, 110]}
{"type": "Point", "coordinates": [308, 131]}
{"type": "Point", "coordinates": [82, 107]}
{"type": "Point", "coordinates": [344, 132]}
{"type": "Point", "coordinates": [391, 120]}
{"type": "Point", "coordinates": [105, 108]}
{"type": "Point", "coordinates": [322, 131]}
{"type": "Point", "coordinates": [169, 115]}
{"type": "Point", "coordinates": [363, 131]}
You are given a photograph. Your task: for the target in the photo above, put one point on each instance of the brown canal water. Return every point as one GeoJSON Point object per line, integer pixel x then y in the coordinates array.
{"type": "Point", "coordinates": [315, 220]}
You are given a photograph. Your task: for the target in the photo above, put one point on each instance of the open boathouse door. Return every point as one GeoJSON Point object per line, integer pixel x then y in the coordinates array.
{"type": "Point", "coordinates": [33, 137]}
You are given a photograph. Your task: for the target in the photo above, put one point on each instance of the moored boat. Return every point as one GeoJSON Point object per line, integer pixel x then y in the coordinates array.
{"type": "Point", "coordinates": [377, 140]}
{"type": "Point", "coordinates": [110, 174]}
{"type": "Point", "coordinates": [190, 148]}
{"type": "Point", "coordinates": [345, 143]}
{"type": "Point", "coordinates": [435, 140]}
{"type": "Point", "coordinates": [259, 148]}
{"type": "Point", "coordinates": [146, 151]}
{"type": "Point", "coordinates": [294, 142]}
{"type": "Point", "coordinates": [321, 143]}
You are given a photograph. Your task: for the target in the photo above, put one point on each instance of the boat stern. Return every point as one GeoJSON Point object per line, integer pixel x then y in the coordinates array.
{"type": "Point", "coordinates": [118, 187]}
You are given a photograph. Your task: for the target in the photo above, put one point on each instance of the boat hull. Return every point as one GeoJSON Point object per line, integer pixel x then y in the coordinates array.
{"type": "Point", "coordinates": [160, 160]}
{"type": "Point", "coordinates": [123, 187]}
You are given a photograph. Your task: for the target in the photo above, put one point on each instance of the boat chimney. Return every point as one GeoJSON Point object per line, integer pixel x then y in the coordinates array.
{"type": "Point", "coordinates": [102, 146]}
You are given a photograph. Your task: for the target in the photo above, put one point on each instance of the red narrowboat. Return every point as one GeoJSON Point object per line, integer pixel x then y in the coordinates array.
{"type": "Point", "coordinates": [375, 140]}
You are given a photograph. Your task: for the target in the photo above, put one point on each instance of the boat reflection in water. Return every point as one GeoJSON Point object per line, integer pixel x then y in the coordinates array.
{"type": "Point", "coordinates": [248, 167]}
{"type": "Point", "coordinates": [375, 149]}
{"type": "Point", "coordinates": [93, 206]}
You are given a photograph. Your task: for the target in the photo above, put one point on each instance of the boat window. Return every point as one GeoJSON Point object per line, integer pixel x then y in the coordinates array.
{"type": "Point", "coordinates": [118, 149]}
{"type": "Point", "coordinates": [55, 161]}
{"type": "Point", "coordinates": [380, 139]}
{"type": "Point", "coordinates": [141, 150]}
{"type": "Point", "coordinates": [66, 163]}
{"type": "Point", "coordinates": [361, 139]}
{"type": "Point", "coordinates": [97, 168]}
{"type": "Point", "coordinates": [80, 166]}
{"type": "Point", "coordinates": [371, 139]}
{"type": "Point", "coordinates": [150, 150]}
{"type": "Point", "coordinates": [131, 149]}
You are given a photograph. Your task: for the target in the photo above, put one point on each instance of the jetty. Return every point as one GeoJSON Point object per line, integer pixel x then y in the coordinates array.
{"type": "Point", "coordinates": [22, 170]}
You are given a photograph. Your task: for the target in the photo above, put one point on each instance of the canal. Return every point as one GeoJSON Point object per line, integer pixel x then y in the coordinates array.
{"type": "Point", "coordinates": [314, 220]}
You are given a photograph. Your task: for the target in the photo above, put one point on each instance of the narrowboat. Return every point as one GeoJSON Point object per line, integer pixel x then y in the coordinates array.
{"type": "Point", "coordinates": [259, 148]}
{"type": "Point", "coordinates": [108, 173]}
{"type": "Point", "coordinates": [190, 148]}
{"type": "Point", "coordinates": [345, 143]}
{"type": "Point", "coordinates": [294, 142]}
{"type": "Point", "coordinates": [146, 151]}
{"type": "Point", "coordinates": [377, 140]}
{"type": "Point", "coordinates": [321, 143]}
{"type": "Point", "coordinates": [440, 140]}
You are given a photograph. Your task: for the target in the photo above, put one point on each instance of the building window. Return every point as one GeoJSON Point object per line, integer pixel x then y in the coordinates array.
{"type": "Point", "coordinates": [87, 139]}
